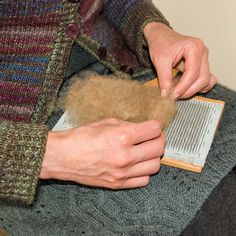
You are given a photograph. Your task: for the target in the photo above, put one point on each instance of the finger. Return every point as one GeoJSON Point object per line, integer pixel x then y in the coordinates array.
{"type": "Point", "coordinates": [119, 184]}
{"type": "Point", "coordinates": [180, 66]}
{"type": "Point", "coordinates": [212, 83]}
{"type": "Point", "coordinates": [149, 167]}
{"type": "Point", "coordinates": [164, 72]}
{"type": "Point", "coordinates": [134, 182]}
{"type": "Point", "coordinates": [203, 80]}
{"type": "Point", "coordinates": [134, 133]}
{"type": "Point", "coordinates": [193, 60]}
{"type": "Point", "coordinates": [148, 150]}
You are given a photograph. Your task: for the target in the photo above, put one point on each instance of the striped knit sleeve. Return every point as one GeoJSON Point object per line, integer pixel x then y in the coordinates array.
{"type": "Point", "coordinates": [22, 148]}
{"type": "Point", "coordinates": [130, 18]}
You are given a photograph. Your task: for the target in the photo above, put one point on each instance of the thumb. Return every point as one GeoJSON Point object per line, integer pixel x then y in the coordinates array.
{"type": "Point", "coordinates": [164, 72]}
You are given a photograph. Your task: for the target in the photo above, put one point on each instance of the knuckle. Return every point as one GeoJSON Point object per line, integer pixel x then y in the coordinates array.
{"type": "Point", "coordinates": [161, 143]}
{"type": "Point", "coordinates": [116, 185]}
{"type": "Point", "coordinates": [197, 44]}
{"type": "Point", "coordinates": [145, 181]}
{"type": "Point", "coordinates": [118, 175]}
{"type": "Point", "coordinates": [164, 138]}
{"type": "Point", "coordinates": [162, 149]}
{"type": "Point", "coordinates": [125, 137]}
{"type": "Point", "coordinates": [213, 80]}
{"type": "Point", "coordinates": [158, 165]}
{"type": "Point", "coordinates": [203, 82]}
{"type": "Point", "coordinates": [160, 59]}
{"type": "Point", "coordinates": [192, 76]}
{"type": "Point", "coordinates": [122, 159]}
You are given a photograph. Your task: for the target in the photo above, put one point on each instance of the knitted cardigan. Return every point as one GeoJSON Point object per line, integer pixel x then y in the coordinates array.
{"type": "Point", "coordinates": [36, 37]}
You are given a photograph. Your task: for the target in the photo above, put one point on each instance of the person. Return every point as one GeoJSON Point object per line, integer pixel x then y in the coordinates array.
{"type": "Point", "coordinates": [42, 44]}
{"type": "Point", "coordinates": [36, 40]}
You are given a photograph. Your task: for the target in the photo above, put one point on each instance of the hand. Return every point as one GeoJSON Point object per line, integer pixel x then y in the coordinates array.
{"type": "Point", "coordinates": [110, 153]}
{"type": "Point", "coordinates": [169, 49]}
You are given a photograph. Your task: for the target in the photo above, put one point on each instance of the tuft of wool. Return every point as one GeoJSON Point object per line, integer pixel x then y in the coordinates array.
{"type": "Point", "coordinates": [93, 97]}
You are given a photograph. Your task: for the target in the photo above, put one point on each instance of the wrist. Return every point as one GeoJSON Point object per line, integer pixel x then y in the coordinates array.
{"type": "Point", "coordinates": [49, 162]}
{"type": "Point", "coordinates": [151, 28]}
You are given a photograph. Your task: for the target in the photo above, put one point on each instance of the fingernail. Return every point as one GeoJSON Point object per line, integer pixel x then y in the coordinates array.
{"type": "Point", "coordinates": [175, 96]}
{"type": "Point", "coordinates": [163, 93]}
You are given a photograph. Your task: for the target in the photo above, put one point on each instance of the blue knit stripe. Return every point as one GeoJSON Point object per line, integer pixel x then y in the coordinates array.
{"type": "Point", "coordinates": [24, 59]}
{"type": "Point", "coordinates": [14, 67]}
{"type": "Point", "coordinates": [22, 78]}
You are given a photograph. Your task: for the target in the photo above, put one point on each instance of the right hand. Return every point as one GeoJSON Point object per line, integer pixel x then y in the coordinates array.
{"type": "Point", "coordinates": [110, 153]}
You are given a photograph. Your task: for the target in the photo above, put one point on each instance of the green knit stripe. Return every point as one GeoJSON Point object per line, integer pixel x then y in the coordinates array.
{"type": "Point", "coordinates": [22, 148]}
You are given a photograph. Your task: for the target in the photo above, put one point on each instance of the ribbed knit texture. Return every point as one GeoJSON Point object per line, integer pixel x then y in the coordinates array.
{"type": "Point", "coordinates": [21, 157]}
{"type": "Point", "coordinates": [164, 207]}
{"type": "Point", "coordinates": [34, 49]}
{"type": "Point", "coordinates": [130, 17]}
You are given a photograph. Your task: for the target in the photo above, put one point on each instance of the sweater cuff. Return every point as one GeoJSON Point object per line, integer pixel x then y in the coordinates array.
{"type": "Point", "coordinates": [22, 148]}
{"type": "Point", "coordinates": [144, 13]}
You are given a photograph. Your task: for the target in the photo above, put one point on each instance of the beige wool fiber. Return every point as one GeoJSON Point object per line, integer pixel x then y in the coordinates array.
{"type": "Point", "coordinates": [93, 97]}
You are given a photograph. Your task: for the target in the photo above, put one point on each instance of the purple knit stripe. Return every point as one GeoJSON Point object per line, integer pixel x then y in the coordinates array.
{"type": "Point", "coordinates": [35, 21]}
{"type": "Point", "coordinates": [21, 99]}
{"type": "Point", "coordinates": [13, 87]}
{"type": "Point", "coordinates": [28, 39]}
{"type": "Point", "coordinates": [105, 35]}
{"type": "Point", "coordinates": [31, 50]}
{"type": "Point", "coordinates": [13, 109]}
{"type": "Point", "coordinates": [15, 98]}
{"type": "Point", "coordinates": [30, 7]}
{"type": "Point", "coordinates": [18, 95]}
{"type": "Point", "coordinates": [28, 32]}
{"type": "Point", "coordinates": [16, 113]}
{"type": "Point", "coordinates": [118, 11]}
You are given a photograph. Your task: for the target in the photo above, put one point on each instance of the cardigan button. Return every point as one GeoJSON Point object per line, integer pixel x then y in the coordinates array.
{"type": "Point", "coordinates": [72, 30]}
{"type": "Point", "coordinates": [126, 69]}
{"type": "Point", "coordinates": [102, 53]}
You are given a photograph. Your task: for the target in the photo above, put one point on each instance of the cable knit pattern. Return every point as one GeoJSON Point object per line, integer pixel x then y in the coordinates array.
{"type": "Point", "coordinates": [164, 207]}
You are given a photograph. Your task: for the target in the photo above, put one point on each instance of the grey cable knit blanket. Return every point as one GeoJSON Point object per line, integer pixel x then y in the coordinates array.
{"type": "Point", "coordinates": [165, 207]}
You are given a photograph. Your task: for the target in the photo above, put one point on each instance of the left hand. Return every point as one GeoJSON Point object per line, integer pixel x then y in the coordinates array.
{"type": "Point", "coordinates": [169, 49]}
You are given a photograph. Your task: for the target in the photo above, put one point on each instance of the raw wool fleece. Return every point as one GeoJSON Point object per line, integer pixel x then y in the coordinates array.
{"type": "Point", "coordinates": [93, 97]}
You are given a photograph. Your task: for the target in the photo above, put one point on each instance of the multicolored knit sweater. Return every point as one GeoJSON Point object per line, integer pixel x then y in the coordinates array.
{"type": "Point", "coordinates": [36, 37]}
